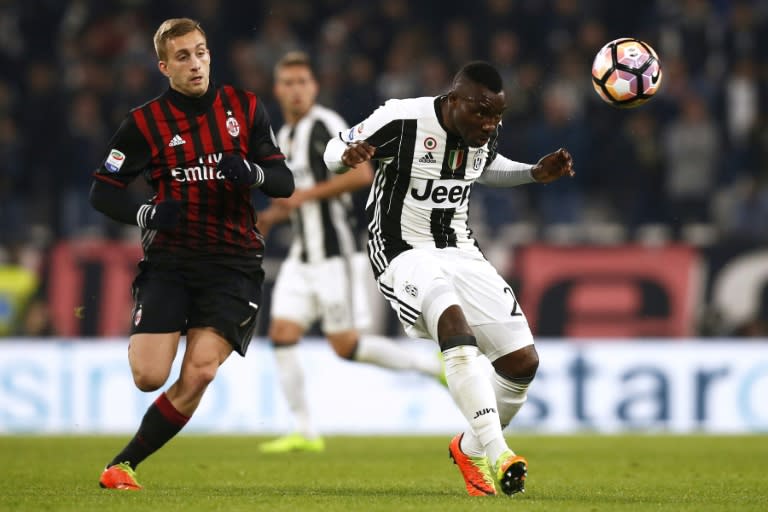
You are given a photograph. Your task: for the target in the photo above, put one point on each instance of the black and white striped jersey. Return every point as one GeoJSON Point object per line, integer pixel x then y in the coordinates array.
{"type": "Point", "coordinates": [325, 227]}
{"type": "Point", "coordinates": [423, 180]}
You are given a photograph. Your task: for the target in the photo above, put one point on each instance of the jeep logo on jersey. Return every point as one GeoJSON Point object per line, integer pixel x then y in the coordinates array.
{"type": "Point", "coordinates": [441, 193]}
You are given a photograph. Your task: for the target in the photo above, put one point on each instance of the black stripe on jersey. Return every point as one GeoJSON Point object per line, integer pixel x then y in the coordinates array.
{"type": "Point", "coordinates": [454, 145]}
{"type": "Point", "coordinates": [408, 320]}
{"type": "Point", "coordinates": [180, 161]}
{"type": "Point", "coordinates": [390, 294]}
{"type": "Point", "coordinates": [196, 134]}
{"type": "Point", "coordinates": [221, 184]}
{"type": "Point", "coordinates": [215, 186]}
{"type": "Point", "coordinates": [296, 216]}
{"type": "Point", "coordinates": [398, 174]}
{"type": "Point", "coordinates": [319, 136]}
{"type": "Point", "coordinates": [440, 227]}
{"type": "Point", "coordinates": [236, 141]}
{"type": "Point", "coordinates": [154, 132]}
{"type": "Point", "coordinates": [242, 97]}
{"type": "Point", "coordinates": [383, 137]}
{"type": "Point", "coordinates": [228, 99]}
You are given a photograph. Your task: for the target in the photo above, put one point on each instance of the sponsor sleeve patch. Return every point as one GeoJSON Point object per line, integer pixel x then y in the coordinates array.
{"type": "Point", "coordinates": [115, 160]}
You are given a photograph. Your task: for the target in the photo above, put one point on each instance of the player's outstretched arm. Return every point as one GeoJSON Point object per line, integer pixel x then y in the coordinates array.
{"type": "Point", "coordinates": [553, 166]}
{"type": "Point", "coordinates": [340, 157]}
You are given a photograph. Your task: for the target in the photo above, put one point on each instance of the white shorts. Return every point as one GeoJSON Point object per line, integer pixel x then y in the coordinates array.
{"type": "Point", "coordinates": [332, 290]}
{"type": "Point", "coordinates": [422, 283]}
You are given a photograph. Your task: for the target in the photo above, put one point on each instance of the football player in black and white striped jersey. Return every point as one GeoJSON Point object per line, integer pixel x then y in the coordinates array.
{"type": "Point", "coordinates": [430, 151]}
{"type": "Point", "coordinates": [325, 273]}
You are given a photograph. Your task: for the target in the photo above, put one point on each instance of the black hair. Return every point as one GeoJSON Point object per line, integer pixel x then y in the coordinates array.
{"type": "Point", "coordinates": [482, 73]}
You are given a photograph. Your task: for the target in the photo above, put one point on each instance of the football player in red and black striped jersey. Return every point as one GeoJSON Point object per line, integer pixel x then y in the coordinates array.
{"type": "Point", "coordinates": [202, 148]}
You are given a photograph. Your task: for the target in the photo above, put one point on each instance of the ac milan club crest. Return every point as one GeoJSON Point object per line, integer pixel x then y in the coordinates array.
{"type": "Point", "coordinates": [233, 127]}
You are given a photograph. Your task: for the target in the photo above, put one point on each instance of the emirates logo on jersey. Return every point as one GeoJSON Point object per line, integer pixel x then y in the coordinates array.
{"type": "Point", "coordinates": [233, 127]}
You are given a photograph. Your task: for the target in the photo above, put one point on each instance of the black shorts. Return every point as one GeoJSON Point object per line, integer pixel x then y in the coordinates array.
{"type": "Point", "coordinates": [178, 296]}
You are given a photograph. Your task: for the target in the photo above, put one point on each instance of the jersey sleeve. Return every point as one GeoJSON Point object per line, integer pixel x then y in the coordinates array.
{"type": "Point", "coordinates": [262, 147]}
{"type": "Point", "coordinates": [382, 130]}
{"type": "Point", "coordinates": [127, 157]}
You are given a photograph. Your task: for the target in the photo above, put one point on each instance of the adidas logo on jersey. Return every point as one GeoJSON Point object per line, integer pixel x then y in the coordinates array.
{"type": "Point", "coordinates": [428, 159]}
{"type": "Point", "coordinates": [176, 141]}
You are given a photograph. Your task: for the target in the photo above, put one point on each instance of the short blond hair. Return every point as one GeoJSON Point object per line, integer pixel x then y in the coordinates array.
{"type": "Point", "coordinates": [172, 28]}
{"type": "Point", "coordinates": [294, 58]}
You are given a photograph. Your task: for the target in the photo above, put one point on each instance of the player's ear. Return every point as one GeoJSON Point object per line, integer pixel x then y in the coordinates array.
{"type": "Point", "coordinates": [163, 67]}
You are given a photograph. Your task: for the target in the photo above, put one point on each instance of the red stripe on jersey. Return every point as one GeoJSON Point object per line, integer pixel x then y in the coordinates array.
{"type": "Point", "coordinates": [239, 113]}
{"type": "Point", "coordinates": [193, 202]}
{"type": "Point", "coordinates": [227, 143]}
{"type": "Point", "coordinates": [276, 156]}
{"type": "Point", "coordinates": [182, 121]}
{"type": "Point", "coordinates": [140, 118]}
{"type": "Point", "coordinates": [107, 179]}
{"type": "Point", "coordinates": [231, 229]}
{"type": "Point", "coordinates": [165, 133]}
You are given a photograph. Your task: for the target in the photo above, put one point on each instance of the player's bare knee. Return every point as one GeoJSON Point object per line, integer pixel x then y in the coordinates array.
{"type": "Point", "coordinates": [204, 375]}
{"type": "Point", "coordinates": [149, 381]}
{"type": "Point", "coordinates": [520, 364]}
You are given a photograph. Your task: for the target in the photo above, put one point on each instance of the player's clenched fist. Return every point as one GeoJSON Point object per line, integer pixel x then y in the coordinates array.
{"type": "Point", "coordinates": [553, 166]}
{"type": "Point", "coordinates": [357, 152]}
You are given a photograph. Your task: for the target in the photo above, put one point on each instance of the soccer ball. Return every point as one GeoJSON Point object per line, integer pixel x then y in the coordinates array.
{"type": "Point", "coordinates": [626, 72]}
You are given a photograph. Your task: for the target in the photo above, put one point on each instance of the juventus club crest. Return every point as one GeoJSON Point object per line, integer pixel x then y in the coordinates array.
{"type": "Point", "coordinates": [478, 161]}
{"type": "Point", "coordinates": [233, 127]}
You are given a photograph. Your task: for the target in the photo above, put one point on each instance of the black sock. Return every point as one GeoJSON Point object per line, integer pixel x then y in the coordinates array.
{"type": "Point", "coordinates": [160, 423]}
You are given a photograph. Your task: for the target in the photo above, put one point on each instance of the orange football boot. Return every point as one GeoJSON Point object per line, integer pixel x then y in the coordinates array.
{"type": "Point", "coordinates": [120, 476]}
{"type": "Point", "coordinates": [475, 470]}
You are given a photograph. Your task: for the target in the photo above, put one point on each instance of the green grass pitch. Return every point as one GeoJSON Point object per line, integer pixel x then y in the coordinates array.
{"type": "Point", "coordinates": [227, 473]}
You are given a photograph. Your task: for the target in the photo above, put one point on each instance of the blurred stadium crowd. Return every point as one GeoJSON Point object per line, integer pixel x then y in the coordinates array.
{"type": "Point", "coordinates": [691, 165]}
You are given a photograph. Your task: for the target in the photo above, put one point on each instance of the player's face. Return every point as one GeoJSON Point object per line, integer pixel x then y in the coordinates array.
{"type": "Point", "coordinates": [295, 90]}
{"type": "Point", "coordinates": [476, 112]}
{"type": "Point", "coordinates": [188, 64]}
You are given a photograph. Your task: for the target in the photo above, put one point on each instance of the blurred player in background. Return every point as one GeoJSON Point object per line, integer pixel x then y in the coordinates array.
{"type": "Point", "coordinates": [202, 148]}
{"type": "Point", "coordinates": [430, 151]}
{"type": "Point", "coordinates": [324, 275]}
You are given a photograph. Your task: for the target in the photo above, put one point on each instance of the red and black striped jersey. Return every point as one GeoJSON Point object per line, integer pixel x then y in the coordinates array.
{"type": "Point", "coordinates": [175, 142]}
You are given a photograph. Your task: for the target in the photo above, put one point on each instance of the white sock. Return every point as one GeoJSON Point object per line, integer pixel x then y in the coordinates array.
{"type": "Point", "coordinates": [510, 397]}
{"type": "Point", "coordinates": [473, 393]}
{"type": "Point", "coordinates": [387, 353]}
{"type": "Point", "coordinates": [291, 376]}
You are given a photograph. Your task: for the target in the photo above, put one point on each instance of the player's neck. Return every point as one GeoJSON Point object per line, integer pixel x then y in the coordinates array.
{"type": "Point", "coordinates": [443, 117]}
{"type": "Point", "coordinates": [195, 104]}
